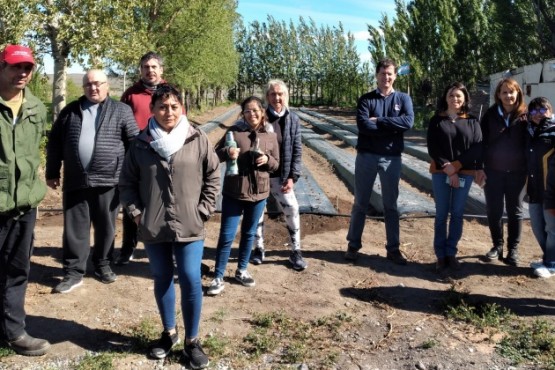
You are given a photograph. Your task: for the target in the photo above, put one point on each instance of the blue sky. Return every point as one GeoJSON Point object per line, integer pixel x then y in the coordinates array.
{"type": "Point", "coordinates": [355, 15]}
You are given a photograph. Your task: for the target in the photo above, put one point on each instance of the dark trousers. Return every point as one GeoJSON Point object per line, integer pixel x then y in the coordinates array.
{"type": "Point", "coordinates": [16, 248]}
{"type": "Point", "coordinates": [505, 188]}
{"type": "Point", "coordinates": [83, 207]}
{"type": "Point", "coordinates": [129, 241]}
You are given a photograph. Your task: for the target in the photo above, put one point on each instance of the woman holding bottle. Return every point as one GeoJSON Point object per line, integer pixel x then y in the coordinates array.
{"type": "Point", "coordinates": [455, 146]}
{"type": "Point", "coordinates": [256, 151]}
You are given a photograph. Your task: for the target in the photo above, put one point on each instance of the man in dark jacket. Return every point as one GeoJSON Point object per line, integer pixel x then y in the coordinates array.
{"type": "Point", "coordinates": [383, 116]}
{"type": "Point", "coordinates": [22, 121]}
{"type": "Point", "coordinates": [90, 137]}
{"type": "Point", "coordinates": [287, 127]}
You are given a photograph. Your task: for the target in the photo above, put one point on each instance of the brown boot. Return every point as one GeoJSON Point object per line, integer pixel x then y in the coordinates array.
{"type": "Point", "coordinates": [27, 345]}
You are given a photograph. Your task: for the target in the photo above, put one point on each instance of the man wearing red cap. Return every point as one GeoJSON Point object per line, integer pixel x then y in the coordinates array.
{"type": "Point", "coordinates": [23, 116]}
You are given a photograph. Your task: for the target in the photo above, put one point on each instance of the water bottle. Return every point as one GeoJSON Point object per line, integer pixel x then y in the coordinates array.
{"type": "Point", "coordinates": [231, 164]}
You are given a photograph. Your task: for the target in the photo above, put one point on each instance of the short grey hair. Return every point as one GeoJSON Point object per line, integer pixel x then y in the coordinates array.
{"type": "Point", "coordinates": [277, 82]}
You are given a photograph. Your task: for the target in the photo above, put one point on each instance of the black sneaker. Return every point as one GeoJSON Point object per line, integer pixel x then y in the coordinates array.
{"type": "Point", "coordinates": [105, 274]}
{"type": "Point", "coordinates": [160, 349]}
{"type": "Point", "coordinates": [397, 257]}
{"type": "Point", "coordinates": [257, 256]}
{"type": "Point", "coordinates": [244, 278]}
{"type": "Point", "coordinates": [27, 345]}
{"type": "Point", "coordinates": [512, 258]}
{"type": "Point", "coordinates": [67, 284]}
{"type": "Point", "coordinates": [297, 261]}
{"type": "Point", "coordinates": [124, 259]}
{"type": "Point", "coordinates": [495, 253]}
{"type": "Point", "coordinates": [196, 356]}
{"type": "Point", "coordinates": [351, 254]}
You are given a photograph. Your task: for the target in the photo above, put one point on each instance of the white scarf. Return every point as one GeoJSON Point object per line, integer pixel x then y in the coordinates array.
{"type": "Point", "coordinates": [167, 143]}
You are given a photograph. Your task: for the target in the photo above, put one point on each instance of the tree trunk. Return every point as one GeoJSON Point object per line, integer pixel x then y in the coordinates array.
{"type": "Point", "coordinates": [59, 84]}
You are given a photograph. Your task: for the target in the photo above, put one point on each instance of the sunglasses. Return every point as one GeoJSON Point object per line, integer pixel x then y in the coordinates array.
{"type": "Point", "coordinates": [533, 112]}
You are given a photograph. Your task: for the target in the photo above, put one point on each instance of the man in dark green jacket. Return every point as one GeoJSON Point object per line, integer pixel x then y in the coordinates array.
{"type": "Point", "coordinates": [22, 121]}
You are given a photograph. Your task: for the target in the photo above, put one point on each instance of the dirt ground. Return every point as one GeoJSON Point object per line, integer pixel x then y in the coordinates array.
{"type": "Point", "coordinates": [395, 308]}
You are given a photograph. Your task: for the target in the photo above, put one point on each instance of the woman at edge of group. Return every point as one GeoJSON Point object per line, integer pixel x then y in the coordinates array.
{"type": "Point", "coordinates": [541, 149]}
{"type": "Point", "coordinates": [246, 193]}
{"type": "Point", "coordinates": [169, 185]}
{"type": "Point", "coordinates": [455, 146]}
{"type": "Point", "coordinates": [504, 142]}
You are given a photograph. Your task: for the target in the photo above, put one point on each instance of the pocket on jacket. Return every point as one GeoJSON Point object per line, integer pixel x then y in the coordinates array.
{"type": "Point", "coordinates": [4, 179]}
{"type": "Point", "coordinates": [263, 184]}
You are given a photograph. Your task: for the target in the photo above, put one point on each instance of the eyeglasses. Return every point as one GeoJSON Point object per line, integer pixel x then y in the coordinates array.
{"type": "Point", "coordinates": [251, 111]}
{"type": "Point", "coordinates": [96, 84]}
{"type": "Point", "coordinates": [533, 112]}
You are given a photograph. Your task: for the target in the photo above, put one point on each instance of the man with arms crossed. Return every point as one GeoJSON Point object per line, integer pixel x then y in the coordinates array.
{"type": "Point", "coordinates": [383, 115]}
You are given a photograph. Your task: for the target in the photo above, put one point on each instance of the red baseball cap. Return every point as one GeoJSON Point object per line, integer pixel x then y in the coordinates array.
{"type": "Point", "coordinates": [13, 54]}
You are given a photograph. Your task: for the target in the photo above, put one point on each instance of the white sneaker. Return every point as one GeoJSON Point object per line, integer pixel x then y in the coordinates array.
{"type": "Point", "coordinates": [216, 287]}
{"type": "Point", "coordinates": [544, 272]}
{"type": "Point", "coordinates": [536, 264]}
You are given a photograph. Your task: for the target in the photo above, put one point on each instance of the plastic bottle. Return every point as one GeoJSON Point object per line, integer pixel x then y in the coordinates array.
{"type": "Point", "coordinates": [231, 164]}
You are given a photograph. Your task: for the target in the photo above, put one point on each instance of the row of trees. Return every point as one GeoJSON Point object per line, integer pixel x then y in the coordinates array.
{"type": "Point", "coordinates": [320, 64]}
{"type": "Point", "coordinates": [208, 49]}
{"type": "Point", "coordinates": [194, 36]}
{"type": "Point", "coordinates": [465, 40]}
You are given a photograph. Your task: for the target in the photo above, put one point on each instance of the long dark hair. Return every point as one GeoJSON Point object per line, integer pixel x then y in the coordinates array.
{"type": "Point", "coordinates": [442, 105]}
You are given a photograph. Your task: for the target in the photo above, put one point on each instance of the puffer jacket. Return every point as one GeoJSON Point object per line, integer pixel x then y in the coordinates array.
{"type": "Point", "coordinates": [253, 183]}
{"type": "Point", "coordinates": [174, 198]}
{"type": "Point", "coordinates": [117, 127]}
{"type": "Point", "coordinates": [291, 146]}
{"type": "Point", "coordinates": [540, 149]}
{"type": "Point", "coordinates": [20, 185]}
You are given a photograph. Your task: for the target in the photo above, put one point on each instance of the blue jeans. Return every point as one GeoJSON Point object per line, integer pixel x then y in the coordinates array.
{"type": "Point", "coordinates": [367, 167]}
{"type": "Point", "coordinates": [509, 188]}
{"type": "Point", "coordinates": [188, 258]}
{"type": "Point", "coordinates": [543, 227]}
{"type": "Point", "coordinates": [232, 209]}
{"type": "Point", "coordinates": [448, 200]}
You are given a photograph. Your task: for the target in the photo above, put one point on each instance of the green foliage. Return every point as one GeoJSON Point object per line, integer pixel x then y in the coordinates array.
{"type": "Point", "coordinates": [219, 316]}
{"type": "Point", "coordinates": [521, 341]}
{"type": "Point", "coordinates": [101, 361]}
{"type": "Point", "coordinates": [292, 339]}
{"type": "Point", "coordinates": [430, 343]}
{"type": "Point", "coordinates": [319, 65]}
{"type": "Point", "coordinates": [73, 91]}
{"type": "Point", "coordinates": [481, 315]}
{"type": "Point", "coordinates": [217, 346]}
{"type": "Point", "coordinates": [534, 342]}
{"type": "Point", "coordinates": [6, 351]}
{"type": "Point", "coordinates": [143, 334]}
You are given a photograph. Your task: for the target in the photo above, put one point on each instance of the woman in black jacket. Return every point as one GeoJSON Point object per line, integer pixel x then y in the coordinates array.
{"type": "Point", "coordinates": [504, 138]}
{"type": "Point", "coordinates": [455, 146]}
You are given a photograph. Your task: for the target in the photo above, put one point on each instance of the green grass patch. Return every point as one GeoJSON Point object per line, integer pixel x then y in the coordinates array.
{"type": "Point", "coordinates": [6, 351]}
{"type": "Point", "coordinates": [430, 343]}
{"type": "Point", "coordinates": [533, 342]}
{"type": "Point", "coordinates": [144, 334]}
{"type": "Point", "coordinates": [291, 340]}
{"type": "Point", "coordinates": [521, 341]}
{"type": "Point", "coordinates": [100, 361]}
